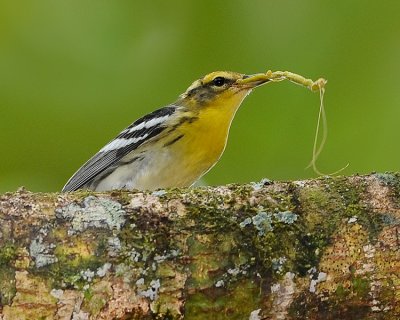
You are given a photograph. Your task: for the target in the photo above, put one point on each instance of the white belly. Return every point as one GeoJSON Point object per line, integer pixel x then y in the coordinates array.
{"type": "Point", "coordinates": [157, 169]}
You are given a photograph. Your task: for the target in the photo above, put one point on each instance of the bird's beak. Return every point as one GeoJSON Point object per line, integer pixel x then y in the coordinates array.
{"type": "Point", "coordinates": [252, 81]}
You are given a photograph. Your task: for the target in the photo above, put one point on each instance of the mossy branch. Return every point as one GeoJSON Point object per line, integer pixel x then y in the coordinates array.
{"type": "Point", "coordinates": [318, 249]}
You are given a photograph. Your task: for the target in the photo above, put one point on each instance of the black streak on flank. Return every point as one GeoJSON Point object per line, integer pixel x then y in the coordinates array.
{"type": "Point", "coordinates": [182, 121]}
{"type": "Point", "coordinates": [173, 140]}
{"type": "Point", "coordinates": [138, 158]}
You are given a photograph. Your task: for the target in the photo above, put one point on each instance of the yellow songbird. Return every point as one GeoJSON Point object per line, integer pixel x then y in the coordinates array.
{"type": "Point", "coordinates": [173, 146]}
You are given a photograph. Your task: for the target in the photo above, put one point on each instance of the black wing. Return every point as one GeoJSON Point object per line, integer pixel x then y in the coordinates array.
{"type": "Point", "coordinates": [128, 140]}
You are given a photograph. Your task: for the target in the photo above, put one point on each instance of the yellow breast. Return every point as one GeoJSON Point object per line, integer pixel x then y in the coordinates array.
{"type": "Point", "coordinates": [205, 139]}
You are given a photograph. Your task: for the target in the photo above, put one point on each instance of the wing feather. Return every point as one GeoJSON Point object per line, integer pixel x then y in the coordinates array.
{"type": "Point", "coordinates": [139, 132]}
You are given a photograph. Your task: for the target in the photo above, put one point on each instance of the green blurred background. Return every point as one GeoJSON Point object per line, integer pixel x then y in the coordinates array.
{"type": "Point", "coordinates": [75, 73]}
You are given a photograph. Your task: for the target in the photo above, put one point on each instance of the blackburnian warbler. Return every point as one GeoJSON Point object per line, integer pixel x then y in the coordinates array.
{"type": "Point", "coordinates": [173, 146]}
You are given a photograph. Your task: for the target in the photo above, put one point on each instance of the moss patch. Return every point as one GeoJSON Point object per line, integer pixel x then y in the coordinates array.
{"type": "Point", "coordinates": [237, 302]}
{"type": "Point", "coordinates": [8, 253]}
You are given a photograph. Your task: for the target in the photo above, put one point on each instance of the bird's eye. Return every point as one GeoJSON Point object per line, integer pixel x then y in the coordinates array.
{"type": "Point", "coordinates": [219, 81]}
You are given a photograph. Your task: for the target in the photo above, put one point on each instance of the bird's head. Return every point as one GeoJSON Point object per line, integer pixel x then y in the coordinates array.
{"type": "Point", "coordinates": [221, 88]}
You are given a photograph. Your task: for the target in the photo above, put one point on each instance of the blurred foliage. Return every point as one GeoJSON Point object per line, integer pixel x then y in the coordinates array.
{"type": "Point", "coordinates": [75, 73]}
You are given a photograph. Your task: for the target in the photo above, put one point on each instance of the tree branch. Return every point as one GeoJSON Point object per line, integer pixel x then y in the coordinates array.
{"type": "Point", "coordinates": [318, 249]}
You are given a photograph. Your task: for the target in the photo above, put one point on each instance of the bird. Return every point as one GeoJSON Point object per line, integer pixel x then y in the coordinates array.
{"type": "Point", "coordinates": [173, 146]}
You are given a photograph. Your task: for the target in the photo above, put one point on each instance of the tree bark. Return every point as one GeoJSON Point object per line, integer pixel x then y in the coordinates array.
{"type": "Point", "coordinates": [318, 249]}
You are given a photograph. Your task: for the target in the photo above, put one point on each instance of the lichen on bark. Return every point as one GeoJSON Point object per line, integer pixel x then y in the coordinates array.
{"type": "Point", "coordinates": [326, 248]}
